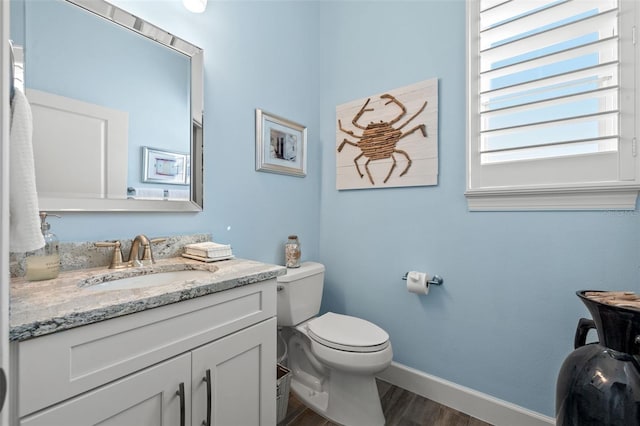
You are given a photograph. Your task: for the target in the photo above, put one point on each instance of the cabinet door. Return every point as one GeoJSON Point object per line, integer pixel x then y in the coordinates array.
{"type": "Point", "coordinates": [242, 371]}
{"type": "Point", "coordinates": [149, 397]}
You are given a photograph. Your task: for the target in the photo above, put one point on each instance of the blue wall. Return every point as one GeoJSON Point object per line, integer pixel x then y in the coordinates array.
{"type": "Point", "coordinates": [504, 319]}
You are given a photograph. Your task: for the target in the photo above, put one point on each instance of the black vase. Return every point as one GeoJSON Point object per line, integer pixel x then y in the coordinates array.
{"type": "Point", "coordinates": [599, 383]}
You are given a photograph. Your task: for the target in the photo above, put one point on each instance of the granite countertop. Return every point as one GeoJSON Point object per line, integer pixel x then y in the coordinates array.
{"type": "Point", "coordinates": [44, 307]}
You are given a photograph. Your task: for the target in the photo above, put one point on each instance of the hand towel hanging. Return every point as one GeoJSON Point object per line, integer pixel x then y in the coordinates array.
{"type": "Point", "coordinates": [24, 219]}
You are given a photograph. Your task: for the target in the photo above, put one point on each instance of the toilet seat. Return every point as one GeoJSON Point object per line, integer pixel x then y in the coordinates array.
{"type": "Point", "coordinates": [347, 333]}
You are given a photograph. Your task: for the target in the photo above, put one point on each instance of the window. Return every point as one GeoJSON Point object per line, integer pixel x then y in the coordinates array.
{"type": "Point", "coordinates": [551, 104]}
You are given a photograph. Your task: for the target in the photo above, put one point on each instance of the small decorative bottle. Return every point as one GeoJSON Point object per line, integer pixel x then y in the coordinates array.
{"type": "Point", "coordinates": [44, 263]}
{"type": "Point", "coordinates": [292, 252]}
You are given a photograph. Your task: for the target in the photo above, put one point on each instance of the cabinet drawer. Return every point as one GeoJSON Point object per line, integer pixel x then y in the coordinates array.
{"type": "Point", "coordinates": [55, 367]}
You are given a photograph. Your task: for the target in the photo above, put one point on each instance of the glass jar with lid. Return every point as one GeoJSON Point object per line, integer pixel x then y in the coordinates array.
{"type": "Point", "coordinates": [292, 252]}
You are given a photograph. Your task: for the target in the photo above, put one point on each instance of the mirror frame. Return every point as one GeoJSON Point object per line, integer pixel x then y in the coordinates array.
{"type": "Point", "coordinates": [133, 23]}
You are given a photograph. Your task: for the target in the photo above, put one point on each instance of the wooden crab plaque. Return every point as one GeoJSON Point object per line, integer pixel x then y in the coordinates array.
{"type": "Point", "coordinates": [389, 139]}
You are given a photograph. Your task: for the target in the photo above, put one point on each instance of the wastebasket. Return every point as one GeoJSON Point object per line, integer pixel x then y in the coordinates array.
{"type": "Point", "coordinates": [282, 393]}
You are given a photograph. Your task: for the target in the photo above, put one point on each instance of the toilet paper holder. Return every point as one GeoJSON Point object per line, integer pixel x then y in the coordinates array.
{"type": "Point", "coordinates": [435, 280]}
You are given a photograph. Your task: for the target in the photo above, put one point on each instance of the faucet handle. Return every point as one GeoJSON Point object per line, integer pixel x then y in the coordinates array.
{"type": "Point", "coordinates": [116, 261]}
{"type": "Point", "coordinates": [147, 253]}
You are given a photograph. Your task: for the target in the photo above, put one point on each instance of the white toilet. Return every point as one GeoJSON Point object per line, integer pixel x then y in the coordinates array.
{"type": "Point", "coordinates": [333, 358]}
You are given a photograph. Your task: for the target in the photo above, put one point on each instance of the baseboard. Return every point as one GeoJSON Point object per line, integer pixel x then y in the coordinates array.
{"type": "Point", "coordinates": [476, 404]}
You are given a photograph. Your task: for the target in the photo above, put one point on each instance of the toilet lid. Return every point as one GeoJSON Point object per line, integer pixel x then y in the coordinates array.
{"type": "Point", "coordinates": [347, 333]}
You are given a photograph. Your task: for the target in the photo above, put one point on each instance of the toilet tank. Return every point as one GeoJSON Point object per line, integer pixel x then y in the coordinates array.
{"type": "Point", "coordinates": [300, 293]}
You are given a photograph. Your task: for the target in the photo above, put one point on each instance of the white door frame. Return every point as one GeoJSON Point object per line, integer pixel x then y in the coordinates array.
{"type": "Point", "coordinates": [4, 201]}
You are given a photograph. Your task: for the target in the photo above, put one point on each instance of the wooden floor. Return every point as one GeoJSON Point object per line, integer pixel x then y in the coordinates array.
{"type": "Point", "coordinates": [401, 408]}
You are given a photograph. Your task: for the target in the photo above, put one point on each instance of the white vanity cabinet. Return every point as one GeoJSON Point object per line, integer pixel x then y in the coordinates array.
{"type": "Point", "coordinates": [147, 368]}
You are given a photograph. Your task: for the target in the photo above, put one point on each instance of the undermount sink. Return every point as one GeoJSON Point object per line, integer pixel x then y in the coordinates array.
{"type": "Point", "coordinates": [152, 280]}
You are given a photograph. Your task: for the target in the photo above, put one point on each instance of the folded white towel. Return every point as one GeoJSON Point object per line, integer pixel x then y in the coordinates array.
{"type": "Point", "coordinates": [178, 194]}
{"type": "Point", "coordinates": [148, 193]}
{"type": "Point", "coordinates": [24, 219]}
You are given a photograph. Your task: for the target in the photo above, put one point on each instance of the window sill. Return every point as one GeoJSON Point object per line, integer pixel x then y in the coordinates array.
{"type": "Point", "coordinates": [594, 198]}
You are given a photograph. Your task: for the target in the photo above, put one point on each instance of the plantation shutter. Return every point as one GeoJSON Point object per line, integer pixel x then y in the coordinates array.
{"type": "Point", "coordinates": [551, 93]}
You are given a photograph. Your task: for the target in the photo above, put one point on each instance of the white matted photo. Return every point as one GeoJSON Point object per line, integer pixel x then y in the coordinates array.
{"type": "Point", "coordinates": [164, 166]}
{"type": "Point", "coordinates": [281, 145]}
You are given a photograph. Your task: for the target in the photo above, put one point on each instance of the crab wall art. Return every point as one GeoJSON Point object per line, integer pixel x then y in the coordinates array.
{"type": "Point", "coordinates": [389, 139]}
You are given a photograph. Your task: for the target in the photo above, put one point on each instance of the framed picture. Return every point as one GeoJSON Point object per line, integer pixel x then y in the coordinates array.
{"type": "Point", "coordinates": [281, 145]}
{"type": "Point", "coordinates": [164, 166]}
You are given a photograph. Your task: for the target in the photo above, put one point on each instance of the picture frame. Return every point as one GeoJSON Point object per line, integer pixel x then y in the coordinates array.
{"type": "Point", "coordinates": [160, 166]}
{"type": "Point", "coordinates": [281, 145]}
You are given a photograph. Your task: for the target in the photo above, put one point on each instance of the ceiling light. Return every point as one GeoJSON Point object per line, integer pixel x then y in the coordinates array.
{"type": "Point", "coordinates": [195, 6]}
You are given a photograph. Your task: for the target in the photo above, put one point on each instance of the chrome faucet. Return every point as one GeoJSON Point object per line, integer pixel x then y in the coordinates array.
{"type": "Point", "coordinates": [139, 244]}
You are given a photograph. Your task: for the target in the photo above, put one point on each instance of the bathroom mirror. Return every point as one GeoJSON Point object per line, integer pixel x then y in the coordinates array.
{"type": "Point", "coordinates": [117, 109]}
